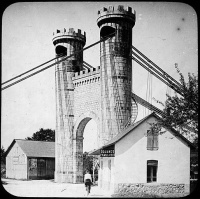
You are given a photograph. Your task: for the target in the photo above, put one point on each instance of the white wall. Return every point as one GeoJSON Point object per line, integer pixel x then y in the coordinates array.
{"type": "Point", "coordinates": [131, 157]}
{"type": "Point", "coordinates": [16, 163]}
{"type": "Point", "coordinates": [106, 175]}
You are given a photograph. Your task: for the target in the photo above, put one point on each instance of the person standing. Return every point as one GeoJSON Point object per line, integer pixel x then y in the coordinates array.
{"type": "Point", "coordinates": [88, 182]}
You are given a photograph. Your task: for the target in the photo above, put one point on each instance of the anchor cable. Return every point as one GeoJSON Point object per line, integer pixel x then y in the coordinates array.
{"type": "Point", "coordinates": [60, 55]}
{"type": "Point", "coordinates": [103, 39]}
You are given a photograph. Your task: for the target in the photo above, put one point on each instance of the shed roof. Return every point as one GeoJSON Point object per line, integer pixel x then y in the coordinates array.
{"type": "Point", "coordinates": [126, 131]}
{"type": "Point", "coordinates": [35, 148]}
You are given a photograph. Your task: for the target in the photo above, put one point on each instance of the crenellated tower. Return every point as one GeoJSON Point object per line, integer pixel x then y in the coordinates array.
{"type": "Point", "coordinates": [116, 69]}
{"type": "Point", "coordinates": [99, 93]}
{"type": "Point", "coordinates": [66, 43]}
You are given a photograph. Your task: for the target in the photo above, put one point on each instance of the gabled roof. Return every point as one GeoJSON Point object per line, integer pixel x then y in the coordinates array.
{"type": "Point", "coordinates": [126, 131]}
{"type": "Point", "coordinates": [35, 148]}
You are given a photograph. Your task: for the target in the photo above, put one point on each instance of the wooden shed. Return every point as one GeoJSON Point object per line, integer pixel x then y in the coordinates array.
{"type": "Point", "coordinates": [27, 159]}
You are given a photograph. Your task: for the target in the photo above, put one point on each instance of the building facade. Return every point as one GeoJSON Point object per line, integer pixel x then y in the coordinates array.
{"type": "Point", "coordinates": [30, 160]}
{"type": "Point", "coordinates": [145, 164]}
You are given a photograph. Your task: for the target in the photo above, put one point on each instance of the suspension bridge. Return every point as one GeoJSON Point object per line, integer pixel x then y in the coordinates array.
{"type": "Point", "coordinates": [102, 93]}
{"type": "Point", "coordinates": [137, 56]}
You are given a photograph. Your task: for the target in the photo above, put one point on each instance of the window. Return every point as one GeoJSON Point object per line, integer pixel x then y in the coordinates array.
{"type": "Point", "coordinates": [152, 140]}
{"type": "Point", "coordinates": [152, 167]}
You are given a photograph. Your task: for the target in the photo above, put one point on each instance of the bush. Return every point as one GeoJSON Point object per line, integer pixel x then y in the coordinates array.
{"type": "Point", "coordinates": [3, 171]}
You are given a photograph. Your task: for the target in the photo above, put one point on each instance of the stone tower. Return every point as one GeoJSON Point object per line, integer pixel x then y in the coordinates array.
{"type": "Point", "coordinates": [115, 69]}
{"type": "Point", "coordinates": [66, 43]}
{"type": "Point", "coordinates": [101, 93]}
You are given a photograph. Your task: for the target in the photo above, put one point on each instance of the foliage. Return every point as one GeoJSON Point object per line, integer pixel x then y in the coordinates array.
{"type": "Point", "coordinates": [3, 163]}
{"type": "Point", "coordinates": [3, 160]}
{"type": "Point", "coordinates": [156, 128]}
{"type": "Point", "coordinates": [181, 112]}
{"type": "Point", "coordinates": [43, 135]}
{"type": "Point", "coordinates": [88, 164]}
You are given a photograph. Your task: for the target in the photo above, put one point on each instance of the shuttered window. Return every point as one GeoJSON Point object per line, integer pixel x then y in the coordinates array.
{"type": "Point", "coordinates": [152, 140]}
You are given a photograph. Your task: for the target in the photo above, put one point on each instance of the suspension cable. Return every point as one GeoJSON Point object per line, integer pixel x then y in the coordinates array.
{"type": "Point", "coordinates": [60, 55]}
{"type": "Point", "coordinates": [149, 90]}
{"type": "Point", "coordinates": [178, 88]}
{"type": "Point", "coordinates": [157, 110]}
{"type": "Point", "coordinates": [164, 73]}
{"type": "Point", "coordinates": [66, 57]}
{"type": "Point", "coordinates": [88, 65]}
{"type": "Point", "coordinates": [156, 73]}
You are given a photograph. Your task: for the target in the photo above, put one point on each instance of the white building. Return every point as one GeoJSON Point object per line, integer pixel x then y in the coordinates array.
{"type": "Point", "coordinates": [145, 164]}
{"type": "Point", "coordinates": [27, 159]}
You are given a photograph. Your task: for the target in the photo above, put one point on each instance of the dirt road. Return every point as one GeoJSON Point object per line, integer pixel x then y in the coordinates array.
{"type": "Point", "coordinates": [48, 188]}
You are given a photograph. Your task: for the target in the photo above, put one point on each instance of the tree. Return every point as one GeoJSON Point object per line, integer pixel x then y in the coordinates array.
{"type": "Point", "coordinates": [3, 161]}
{"type": "Point", "coordinates": [182, 111]}
{"type": "Point", "coordinates": [3, 164]}
{"type": "Point", "coordinates": [88, 164]}
{"type": "Point", "coordinates": [43, 135]}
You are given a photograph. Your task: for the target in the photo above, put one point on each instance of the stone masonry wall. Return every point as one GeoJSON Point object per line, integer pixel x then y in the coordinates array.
{"type": "Point", "coordinates": [87, 98]}
{"type": "Point", "coordinates": [150, 190]}
{"type": "Point", "coordinates": [87, 92]}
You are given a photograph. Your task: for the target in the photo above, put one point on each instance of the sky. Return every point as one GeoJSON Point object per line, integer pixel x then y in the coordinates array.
{"type": "Point", "coordinates": [166, 32]}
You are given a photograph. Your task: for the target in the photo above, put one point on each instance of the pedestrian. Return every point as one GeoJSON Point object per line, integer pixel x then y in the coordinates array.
{"type": "Point", "coordinates": [88, 182]}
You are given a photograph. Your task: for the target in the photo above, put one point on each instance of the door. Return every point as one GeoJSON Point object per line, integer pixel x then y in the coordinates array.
{"type": "Point", "coordinates": [41, 168]}
{"type": "Point", "coordinates": [32, 168]}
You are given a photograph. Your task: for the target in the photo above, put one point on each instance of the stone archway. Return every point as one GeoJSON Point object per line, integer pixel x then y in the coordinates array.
{"type": "Point", "coordinates": [79, 127]}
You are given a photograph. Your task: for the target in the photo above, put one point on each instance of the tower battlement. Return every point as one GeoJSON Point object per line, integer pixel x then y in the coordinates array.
{"type": "Point", "coordinates": [59, 35]}
{"type": "Point", "coordinates": [120, 8]}
{"type": "Point", "coordinates": [116, 12]}
{"type": "Point", "coordinates": [86, 72]}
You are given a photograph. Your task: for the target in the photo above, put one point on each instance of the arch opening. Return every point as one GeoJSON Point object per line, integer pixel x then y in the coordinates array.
{"type": "Point", "coordinates": [87, 136]}
{"type": "Point", "coordinates": [90, 136]}
{"type": "Point", "coordinates": [61, 50]}
{"type": "Point", "coordinates": [107, 30]}
{"type": "Point", "coordinates": [86, 141]}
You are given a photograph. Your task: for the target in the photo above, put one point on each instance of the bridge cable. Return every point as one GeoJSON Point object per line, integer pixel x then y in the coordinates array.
{"type": "Point", "coordinates": [152, 72]}
{"type": "Point", "coordinates": [157, 110]}
{"type": "Point", "coordinates": [60, 55]}
{"type": "Point", "coordinates": [148, 92]}
{"type": "Point", "coordinates": [66, 57]}
{"type": "Point", "coordinates": [156, 73]}
{"type": "Point", "coordinates": [165, 78]}
{"type": "Point", "coordinates": [162, 71]}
